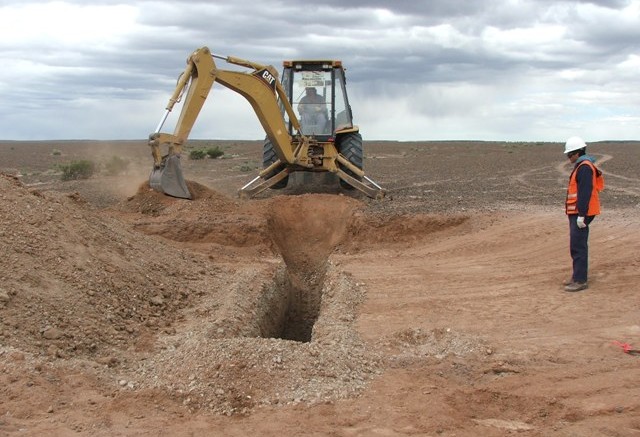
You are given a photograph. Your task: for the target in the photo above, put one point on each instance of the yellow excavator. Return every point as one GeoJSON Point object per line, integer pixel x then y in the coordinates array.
{"type": "Point", "coordinates": [322, 139]}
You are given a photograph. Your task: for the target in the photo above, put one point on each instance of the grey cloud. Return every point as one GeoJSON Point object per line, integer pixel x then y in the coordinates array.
{"type": "Point", "coordinates": [612, 4]}
{"type": "Point", "coordinates": [376, 49]}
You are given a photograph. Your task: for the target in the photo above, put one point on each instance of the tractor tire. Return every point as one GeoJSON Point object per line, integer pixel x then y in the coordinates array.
{"type": "Point", "coordinates": [350, 146]}
{"type": "Point", "coordinates": [269, 157]}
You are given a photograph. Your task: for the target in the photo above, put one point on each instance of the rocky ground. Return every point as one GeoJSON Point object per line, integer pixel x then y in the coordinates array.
{"type": "Point", "coordinates": [314, 311]}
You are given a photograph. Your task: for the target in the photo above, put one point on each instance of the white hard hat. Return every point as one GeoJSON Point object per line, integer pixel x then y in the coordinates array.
{"type": "Point", "coordinates": [574, 143]}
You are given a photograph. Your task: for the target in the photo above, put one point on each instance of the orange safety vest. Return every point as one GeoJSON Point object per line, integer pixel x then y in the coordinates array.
{"type": "Point", "coordinates": [572, 191]}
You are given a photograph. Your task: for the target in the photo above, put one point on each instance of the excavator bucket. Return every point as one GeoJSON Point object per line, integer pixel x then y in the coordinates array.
{"type": "Point", "coordinates": [167, 178]}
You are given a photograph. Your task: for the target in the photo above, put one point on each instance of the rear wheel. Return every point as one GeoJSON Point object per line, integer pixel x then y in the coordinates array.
{"type": "Point", "coordinates": [269, 157]}
{"type": "Point", "coordinates": [350, 146]}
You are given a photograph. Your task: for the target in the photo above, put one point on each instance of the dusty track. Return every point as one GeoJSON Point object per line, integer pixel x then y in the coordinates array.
{"type": "Point", "coordinates": [438, 311]}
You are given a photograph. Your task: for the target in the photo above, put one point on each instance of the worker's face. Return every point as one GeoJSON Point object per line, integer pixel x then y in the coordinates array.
{"type": "Point", "coordinates": [573, 156]}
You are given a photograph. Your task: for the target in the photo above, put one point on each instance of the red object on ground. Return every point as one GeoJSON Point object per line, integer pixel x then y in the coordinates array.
{"type": "Point", "coordinates": [627, 348]}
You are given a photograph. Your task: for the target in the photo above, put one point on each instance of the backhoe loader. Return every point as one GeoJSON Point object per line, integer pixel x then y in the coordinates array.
{"type": "Point", "coordinates": [322, 139]}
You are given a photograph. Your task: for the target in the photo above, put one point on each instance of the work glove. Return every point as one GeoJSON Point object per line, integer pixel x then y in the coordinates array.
{"type": "Point", "coordinates": [580, 222]}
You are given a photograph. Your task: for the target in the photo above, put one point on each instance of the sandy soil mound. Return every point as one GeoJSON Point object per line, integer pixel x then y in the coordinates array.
{"type": "Point", "coordinates": [368, 230]}
{"type": "Point", "coordinates": [95, 289]}
{"type": "Point", "coordinates": [76, 285]}
{"type": "Point", "coordinates": [210, 219]}
{"type": "Point", "coordinates": [150, 202]}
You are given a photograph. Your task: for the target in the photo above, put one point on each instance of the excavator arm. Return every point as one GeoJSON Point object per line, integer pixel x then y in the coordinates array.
{"type": "Point", "coordinates": [262, 89]}
{"type": "Point", "coordinates": [259, 87]}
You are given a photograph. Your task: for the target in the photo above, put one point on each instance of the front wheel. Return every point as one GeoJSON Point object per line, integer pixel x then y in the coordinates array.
{"type": "Point", "coordinates": [350, 146]}
{"type": "Point", "coordinates": [269, 157]}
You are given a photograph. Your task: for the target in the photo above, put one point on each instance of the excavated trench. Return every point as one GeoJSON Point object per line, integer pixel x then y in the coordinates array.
{"type": "Point", "coordinates": [278, 332]}
{"type": "Point", "coordinates": [266, 300]}
{"type": "Point", "coordinates": [270, 332]}
{"type": "Point", "coordinates": [305, 233]}
{"type": "Point", "coordinates": [288, 304]}
{"type": "Point", "coordinates": [285, 301]}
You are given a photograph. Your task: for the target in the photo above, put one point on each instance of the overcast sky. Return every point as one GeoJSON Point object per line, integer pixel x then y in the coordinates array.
{"type": "Point", "coordinates": [514, 70]}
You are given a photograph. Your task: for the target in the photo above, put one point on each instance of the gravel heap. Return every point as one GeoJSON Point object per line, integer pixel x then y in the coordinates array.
{"type": "Point", "coordinates": [210, 367]}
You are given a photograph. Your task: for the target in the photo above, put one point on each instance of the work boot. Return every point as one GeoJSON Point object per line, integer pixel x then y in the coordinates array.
{"type": "Point", "coordinates": [576, 286]}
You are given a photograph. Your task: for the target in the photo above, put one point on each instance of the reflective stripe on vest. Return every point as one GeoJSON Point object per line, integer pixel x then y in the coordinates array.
{"type": "Point", "coordinates": [571, 204]}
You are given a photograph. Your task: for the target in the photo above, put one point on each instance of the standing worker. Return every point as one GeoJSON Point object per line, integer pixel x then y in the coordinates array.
{"type": "Point", "coordinates": [582, 205]}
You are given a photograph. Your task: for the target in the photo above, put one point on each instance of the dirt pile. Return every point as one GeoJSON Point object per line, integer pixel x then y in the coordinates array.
{"type": "Point", "coordinates": [234, 360]}
{"type": "Point", "coordinates": [211, 222]}
{"type": "Point", "coordinates": [281, 332]}
{"type": "Point", "coordinates": [78, 285]}
{"type": "Point", "coordinates": [150, 202]}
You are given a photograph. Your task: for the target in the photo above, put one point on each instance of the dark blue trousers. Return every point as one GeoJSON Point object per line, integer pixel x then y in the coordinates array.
{"type": "Point", "coordinates": [579, 247]}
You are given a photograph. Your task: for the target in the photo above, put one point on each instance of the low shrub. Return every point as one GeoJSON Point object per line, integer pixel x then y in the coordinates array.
{"type": "Point", "coordinates": [214, 152]}
{"type": "Point", "coordinates": [77, 170]}
{"type": "Point", "coordinates": [247, 166]}
{"type": "Point", "coordinates": [197, 154]}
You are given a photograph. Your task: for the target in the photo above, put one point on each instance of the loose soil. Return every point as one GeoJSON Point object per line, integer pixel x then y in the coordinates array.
{"type": "Point", "coordinates": [438, 310]}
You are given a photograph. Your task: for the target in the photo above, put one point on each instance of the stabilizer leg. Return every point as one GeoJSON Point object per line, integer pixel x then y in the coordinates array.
{"type": "Point", "coordinates": [372, 189]}
{"type": "Point", "coordinates": [251, 189]}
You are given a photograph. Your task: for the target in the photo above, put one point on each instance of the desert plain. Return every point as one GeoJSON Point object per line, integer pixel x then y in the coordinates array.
{"type": "Point", "coordinates": [436, 311]}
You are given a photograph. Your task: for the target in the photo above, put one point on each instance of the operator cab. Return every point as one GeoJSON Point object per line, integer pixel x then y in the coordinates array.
{"type": "Point", "coordinates": [316, 91]}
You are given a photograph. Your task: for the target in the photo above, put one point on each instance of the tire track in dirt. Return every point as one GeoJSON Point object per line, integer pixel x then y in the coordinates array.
{"type": "Point", "coordinates": [611, 179]}
{"type": "Point", "coordinates": [615, 184]}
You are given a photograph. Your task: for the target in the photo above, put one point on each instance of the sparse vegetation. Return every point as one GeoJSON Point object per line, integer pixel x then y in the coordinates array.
{"type": "Point", "coordinates": [56, 152]}
{"type": "Point", "coordinates": [248, 166]}
{"type": "Point", "coordinates": [82, 169]}
{"type": "Point", "coordinates": [197, 154]}
{"type": "Point", "coordinates": [214, 152]}
{"type": "Point", "coordinates": [211, 152]}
